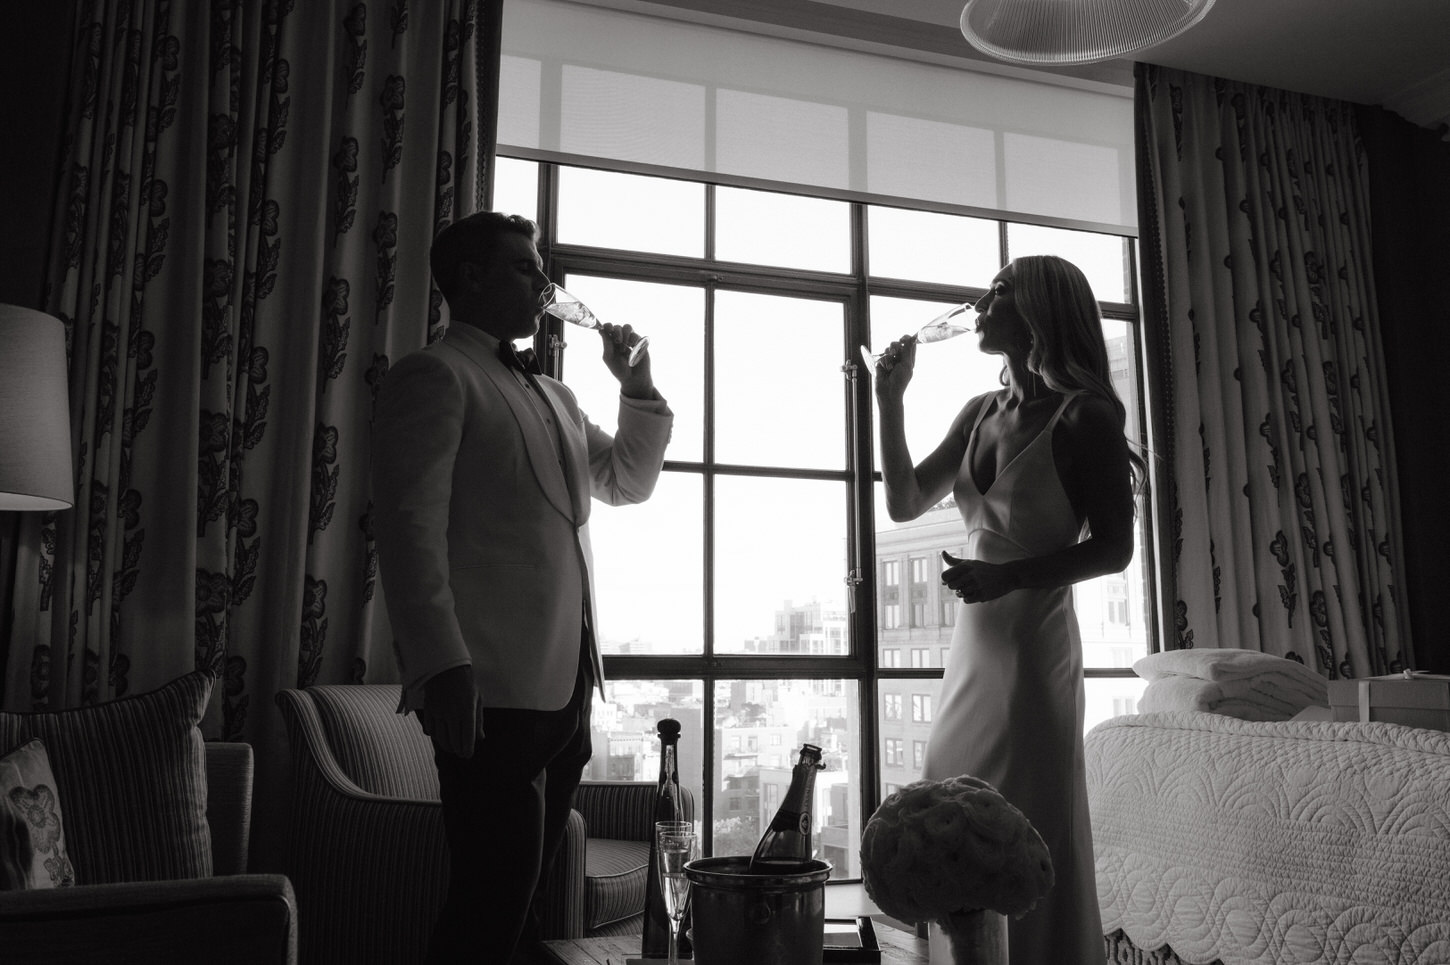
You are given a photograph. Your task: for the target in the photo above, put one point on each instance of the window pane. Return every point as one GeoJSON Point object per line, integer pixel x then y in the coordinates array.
{"type": "Point", "coordinates": [759, 728]}
{"type": "Point", "coordinates": [780, 397]}
{"type": "Point", "coordinates": [1102, 258]}
{"type": "Point", "coordinates": [516, 187]}
{"type": "Point", "coordinates": [780, 562]}
{"type": "Point", "coordinates": [610, 210]}
{"type": "Point", "coordinates": [1122, 341]}
{"type": "Point", "coordinates": [624, 731]}
{"type": "Point", "coordinates": [947, 375]}
{"type": "Point", "coordinates": [926, 246]}
{"type": "Point", "coordinates": [1113, 610]}
{"type": "Point", "coordinates": [1109, 697]}
{"type": "Point", "coordinates": [769, 228]}
{"type": "Point", "coordinates": [649, 570]}
{"type": "Point", "coordinates": [903, 734]}
{"type": "Point", "coordinates": [673, 316]}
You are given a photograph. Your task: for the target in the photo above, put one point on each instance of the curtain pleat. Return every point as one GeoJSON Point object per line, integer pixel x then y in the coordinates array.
{"type": "Point", "coordinates": [248, 195]}
{"type": "Point", "coordinates": [1266, 361]}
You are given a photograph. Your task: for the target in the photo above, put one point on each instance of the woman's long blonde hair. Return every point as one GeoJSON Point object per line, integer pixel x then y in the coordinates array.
{"type": "Point", "coordinates": [1068, 349]}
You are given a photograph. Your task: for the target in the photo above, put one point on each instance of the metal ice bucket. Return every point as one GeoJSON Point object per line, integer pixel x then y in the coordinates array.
{"type": "Point", "coordinates": [739, 918]}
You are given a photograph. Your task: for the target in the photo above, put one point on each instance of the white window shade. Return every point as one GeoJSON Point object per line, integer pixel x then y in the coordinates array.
{"type": "Point", "coordinates": [593, 85]}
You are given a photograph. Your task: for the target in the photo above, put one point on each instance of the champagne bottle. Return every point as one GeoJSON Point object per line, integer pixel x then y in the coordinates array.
{"type": "Point", "coordinates": [786, 843]}
{"type": "Point", "coordinates": [655, 942]}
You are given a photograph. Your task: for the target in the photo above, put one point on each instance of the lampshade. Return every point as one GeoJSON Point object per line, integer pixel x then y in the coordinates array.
{"type": "Point", "coordinates": [35, 461]}
{"type": "Point", "coordinates": [1063, 32]}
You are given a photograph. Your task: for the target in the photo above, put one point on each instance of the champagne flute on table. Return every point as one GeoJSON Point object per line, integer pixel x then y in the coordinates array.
{"type": "Point", "coordinates": [677, 846]}
{"type": "Point", "coordinates": [559, 303]}
{"type": "Point", "coordinates": [948, 324]}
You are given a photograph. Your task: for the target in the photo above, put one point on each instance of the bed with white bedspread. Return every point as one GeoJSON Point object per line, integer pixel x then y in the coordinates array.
{"type": "Point", "coordinates": [1271, 842]}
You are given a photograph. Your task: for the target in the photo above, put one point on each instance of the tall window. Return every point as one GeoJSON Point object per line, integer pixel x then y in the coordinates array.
{"type": "Point", "coordinates": [758, 595]}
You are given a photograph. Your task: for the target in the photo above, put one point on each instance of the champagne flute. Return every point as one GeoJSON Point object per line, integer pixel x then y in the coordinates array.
{"type": "Point", "coordinates": [948, 324]}
{"type": "Point", "coordinates": [559, 303]}
{"type": "Point", "coordinates": [676, 848]}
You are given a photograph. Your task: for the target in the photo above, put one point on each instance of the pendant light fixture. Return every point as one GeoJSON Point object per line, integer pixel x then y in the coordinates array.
{"type": "Point", "coordinates": [1059, 33]}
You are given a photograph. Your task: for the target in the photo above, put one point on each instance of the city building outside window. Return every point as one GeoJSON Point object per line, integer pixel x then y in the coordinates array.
{"type": "Point", "coordinates": [920, 591]}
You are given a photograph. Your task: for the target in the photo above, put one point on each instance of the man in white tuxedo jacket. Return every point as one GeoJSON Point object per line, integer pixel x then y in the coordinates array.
{"type": "Point", "coordinates": [482, 477]}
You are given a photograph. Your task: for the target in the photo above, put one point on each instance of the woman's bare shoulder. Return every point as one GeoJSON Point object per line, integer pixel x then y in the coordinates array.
{"type": "Point", "coordinates": [967, 416]}
{"type": "Point", "coordinates": [1091, 415]}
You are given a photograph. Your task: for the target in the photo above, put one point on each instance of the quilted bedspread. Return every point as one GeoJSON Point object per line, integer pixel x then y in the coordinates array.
{"type": "Point", "coordinates": [1290, 841]}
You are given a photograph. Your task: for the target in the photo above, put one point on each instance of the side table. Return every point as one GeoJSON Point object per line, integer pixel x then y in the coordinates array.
{"type": "Point", "coordinates": [897, 948]}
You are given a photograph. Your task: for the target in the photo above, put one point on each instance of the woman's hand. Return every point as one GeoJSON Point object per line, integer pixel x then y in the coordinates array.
{"type": "Point", "coordinates": [893, 371]}
{"type": "Point", "coordinates": [975, 581]}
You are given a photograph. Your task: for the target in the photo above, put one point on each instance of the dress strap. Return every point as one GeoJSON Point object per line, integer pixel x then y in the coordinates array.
{"type": "Point", "coordinates": [1062, 407]}
{"type": "Point", "coordinates": [981, 414]}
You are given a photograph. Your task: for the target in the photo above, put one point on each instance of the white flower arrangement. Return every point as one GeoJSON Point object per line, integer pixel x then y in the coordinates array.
{"type": "Point", "coordinates": [939, 850]}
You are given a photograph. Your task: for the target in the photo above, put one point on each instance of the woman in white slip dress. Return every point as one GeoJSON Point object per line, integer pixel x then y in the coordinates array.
{"type": "Point", "coordinates": [1043, 477]}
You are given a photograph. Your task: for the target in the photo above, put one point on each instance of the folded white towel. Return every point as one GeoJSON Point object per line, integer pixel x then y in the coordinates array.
{"type": "Point", "coordinates": [1205, 696]}
{"type": "Point", "coordinates": [1209, 663]}
{"type": "Point", "coordinates": [1250, 698]}
{"type": "Point", "coordinates": [1179, 693]}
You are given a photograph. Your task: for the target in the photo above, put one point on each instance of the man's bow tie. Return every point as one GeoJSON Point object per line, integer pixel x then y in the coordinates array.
{"type": "Point", "coordinates": [523, 361]}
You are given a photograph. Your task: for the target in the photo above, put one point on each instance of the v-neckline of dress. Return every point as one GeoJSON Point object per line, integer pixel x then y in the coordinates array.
{"type": "Point", "coordinates": [973, 440]}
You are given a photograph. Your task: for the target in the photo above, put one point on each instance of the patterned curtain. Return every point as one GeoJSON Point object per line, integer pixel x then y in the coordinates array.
{"type": "Point", "coordinates": [1265, 355]}
{"type": "Point", "coordinates": [240, 245]}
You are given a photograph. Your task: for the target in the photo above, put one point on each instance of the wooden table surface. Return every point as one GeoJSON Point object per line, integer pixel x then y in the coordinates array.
{"type": "Point", "coordinates": [897, 948]}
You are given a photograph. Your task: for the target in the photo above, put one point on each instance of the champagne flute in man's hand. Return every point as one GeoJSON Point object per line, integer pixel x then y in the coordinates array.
{"type": "Point", "coordinates": [559, 303]}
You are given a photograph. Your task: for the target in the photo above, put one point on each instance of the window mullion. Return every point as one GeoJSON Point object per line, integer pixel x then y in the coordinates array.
{"type": "Point", "coordinates": [862, 527]}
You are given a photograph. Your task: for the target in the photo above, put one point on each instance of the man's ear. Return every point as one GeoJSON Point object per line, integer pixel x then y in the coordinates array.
{"type": "Point", "coordinates": [471, 277]}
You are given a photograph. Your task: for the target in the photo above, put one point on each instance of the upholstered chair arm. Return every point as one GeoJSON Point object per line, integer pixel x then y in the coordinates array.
{"type": "Point", "coordinates": [561, 900]}
{"type": "Point", "coordinates": [351, 855]}
{"type": "Point", "coordinates": [230, 920]}
{"type": "Point", "coordinates": [229, 770]}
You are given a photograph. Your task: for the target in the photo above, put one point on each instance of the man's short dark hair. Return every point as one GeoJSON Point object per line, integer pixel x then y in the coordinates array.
{"type": "Point", "coordinates": [472, 239]}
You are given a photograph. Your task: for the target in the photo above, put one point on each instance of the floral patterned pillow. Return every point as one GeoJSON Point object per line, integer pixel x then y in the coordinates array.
{"type": "Point", "coordinates": [32, 836]}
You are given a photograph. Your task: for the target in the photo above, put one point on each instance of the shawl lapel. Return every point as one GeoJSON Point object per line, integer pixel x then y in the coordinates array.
{"type": "Point", "coordinates": [537, 443]}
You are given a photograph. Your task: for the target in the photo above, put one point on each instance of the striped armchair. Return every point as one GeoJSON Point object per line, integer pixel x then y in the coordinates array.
{"type": "Point", "coordinates": [367, 855]}
{"type": "Point", "coordinates": [231, 917]}
{"type": "Point", "coordinates": [157, 825]}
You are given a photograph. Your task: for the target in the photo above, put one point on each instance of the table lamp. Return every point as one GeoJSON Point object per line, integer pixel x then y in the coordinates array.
{"type": "Point", "coordinates": [35, 450]}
